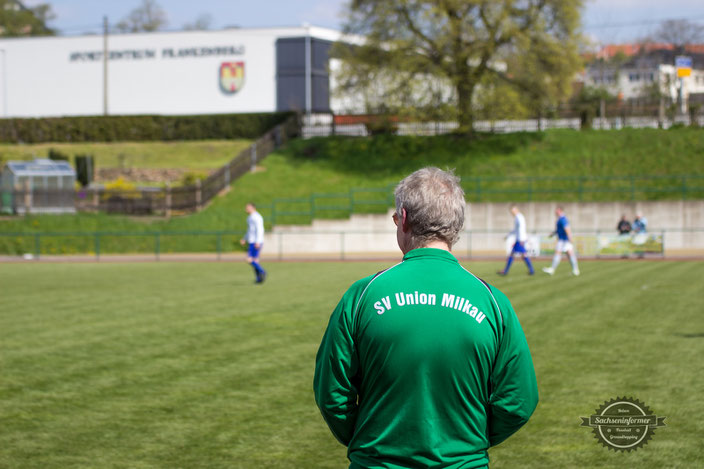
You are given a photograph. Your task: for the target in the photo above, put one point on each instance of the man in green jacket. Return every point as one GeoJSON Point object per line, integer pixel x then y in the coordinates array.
{"type": "Point", "coordinates": [424, 364]}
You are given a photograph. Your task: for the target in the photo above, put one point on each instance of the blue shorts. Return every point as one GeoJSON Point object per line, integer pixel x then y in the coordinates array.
{"type": "Point", "coordinates": [518, 248]}
{"type": "Point", "coordinates": [252, 250]}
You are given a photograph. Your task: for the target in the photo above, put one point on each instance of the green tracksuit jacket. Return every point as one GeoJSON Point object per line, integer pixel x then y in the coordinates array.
{"type": "Point", "coordinates": [424, 365]}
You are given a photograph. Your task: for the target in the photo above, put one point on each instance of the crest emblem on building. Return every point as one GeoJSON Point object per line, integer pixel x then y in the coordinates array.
{"type": "Point", "coordinates": [231, 77]}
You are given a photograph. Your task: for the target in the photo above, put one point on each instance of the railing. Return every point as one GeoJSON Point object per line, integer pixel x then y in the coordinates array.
{"type": "Point", "coordinates": [341, 245]}
{"type": "Point", "coordinates": [341, 205]}
{"type": "Point", "coordinates": [584, 188]}
{"type": "Point", "coordinates": [492, 189]}
{"type": "Point", "coordinates": [283, 211]}
{"type": "Point", "coordinates": [325, 124]}
{"type": "Point", "coordinates": [149, 201]}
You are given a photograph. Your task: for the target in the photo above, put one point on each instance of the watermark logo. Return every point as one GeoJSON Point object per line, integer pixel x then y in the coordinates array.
{"type": "Point", "coordinates": [623, 424]}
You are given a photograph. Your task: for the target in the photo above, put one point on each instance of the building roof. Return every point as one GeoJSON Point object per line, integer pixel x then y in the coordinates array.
{"type": "Point", "coordinates": [610, 50]}
{"type": "Point", "coordinates": [40, 167]}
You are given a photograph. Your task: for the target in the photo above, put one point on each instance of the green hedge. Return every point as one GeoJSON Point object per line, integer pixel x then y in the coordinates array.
{"type": "Point", "coordinates": [138, 128]}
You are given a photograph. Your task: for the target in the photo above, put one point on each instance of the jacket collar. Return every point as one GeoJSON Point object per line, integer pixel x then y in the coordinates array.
{"type": "Point", "coordinates": [427, 253]}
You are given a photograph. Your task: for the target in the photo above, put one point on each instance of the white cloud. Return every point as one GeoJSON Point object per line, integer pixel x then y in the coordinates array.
{"type": "Point", "coordinates": [324, 13]}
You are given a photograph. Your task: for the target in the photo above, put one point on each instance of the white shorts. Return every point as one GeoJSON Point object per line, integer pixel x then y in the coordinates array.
{"type": "Point", "coordinates": [563, 246]}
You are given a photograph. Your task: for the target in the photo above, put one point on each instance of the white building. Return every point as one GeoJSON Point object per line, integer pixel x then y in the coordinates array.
{"type": "Point", "coordinates": [177, 73]}
{"type": "Point", "coordinates": [634, 78]}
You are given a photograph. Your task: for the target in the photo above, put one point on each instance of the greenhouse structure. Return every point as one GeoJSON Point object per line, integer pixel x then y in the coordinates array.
{"type": "Point", "coordinates": [39, 186]}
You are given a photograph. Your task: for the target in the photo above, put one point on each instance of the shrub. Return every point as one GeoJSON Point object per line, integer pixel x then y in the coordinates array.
{"type": "Point", "coordinates": [120, 188]}
{"type": "Point", "coordinates": [190, 178]}
{"type": "Point", "coordinates": [56, 155]}
{"type": "Point", "coordinates": [138, 128]}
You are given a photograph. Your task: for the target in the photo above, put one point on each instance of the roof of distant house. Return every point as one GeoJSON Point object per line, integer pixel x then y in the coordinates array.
{"type": "Point", "coordinates": [610, 50]}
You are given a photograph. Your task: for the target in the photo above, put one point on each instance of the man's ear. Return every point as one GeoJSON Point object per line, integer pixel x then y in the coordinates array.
{"type": "Point", "coordinates": [404, 221]}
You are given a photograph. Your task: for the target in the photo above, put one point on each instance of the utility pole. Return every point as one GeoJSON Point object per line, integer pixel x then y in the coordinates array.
{"type": "Point", "coordinates": [105, 65]}
{"type": "Point", "coordinates": [309, 72]}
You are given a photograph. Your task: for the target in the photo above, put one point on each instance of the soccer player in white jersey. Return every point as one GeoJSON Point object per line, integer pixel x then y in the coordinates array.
{"type": "Point", "coordinates": [564, 244]}
{"type": "Point", "coordinates": [254, 240]}
{"type": "Point", "coordinates": [519, 247]}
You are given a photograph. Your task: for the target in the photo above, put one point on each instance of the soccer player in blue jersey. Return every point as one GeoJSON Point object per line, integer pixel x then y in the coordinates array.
{"type": "Point", "coordinates": [564, 244]}
{"type": "Point", "coordinates": [254, 240]}
{"type": "Point", "coordinates": [519, 247]}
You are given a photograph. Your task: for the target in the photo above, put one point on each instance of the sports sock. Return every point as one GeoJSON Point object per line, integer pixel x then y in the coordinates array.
{"type": "Point", "coordinates": [257, 269]}
{"type": "Point", "coordinates": [573, 261]}
{"type": "Point", "coordinates": [509, 261]}
{"type": "Point", "coordinates": [529, 264]}
{"type": "Point", "coordinates": [556, 260]}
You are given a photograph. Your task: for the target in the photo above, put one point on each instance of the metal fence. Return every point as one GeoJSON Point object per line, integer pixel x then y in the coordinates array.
{"type": "Point", "coordinates": [493, 189]}
{"type": "Point", "coordinates": [151, 201]}
{"type": "Point", "coordinates": [326, 124]}
{"type": "Point", "coordinates": [284, 211]}
{"type": "Point", "coordinates": [340, 245]}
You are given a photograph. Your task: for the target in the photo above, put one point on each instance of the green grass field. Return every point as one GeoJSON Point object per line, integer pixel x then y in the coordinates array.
{"type": "Point", "coordinates": [165, 365]}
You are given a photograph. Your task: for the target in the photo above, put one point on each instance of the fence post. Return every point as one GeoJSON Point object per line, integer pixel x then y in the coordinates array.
{"type": "Point", "coordinates": [168, 200]}
{"type": "Point", "coordinates": [281, 246]}
{"type": "Point", "coordinates": [253, 156]}
{"type": "Point", "coordinates": [684, 187]}
{"type": "Point", "coordinates": [218, 244]}
{"type": "Point", "coordinates": [598, 251]}
{"type": "Point", "coordinates": [312, 207]}
{"type": "Point", "coordinates": [342, 245]}
{"type": "Point", "coordinates": [277, 136]}
{"type": "Point", "coordinates": [37, 245]}
{"type": "Point", "coordinates": [633, 188]}
{"type": "Point", "coordinates": [661, 113]}
{"type": "Point", "coordinates": [273, 213]}
{"type": "Point", "coordinates": [199, 195]}
{"type": "Point", "coordinates": [157, 245]}
{"type": "Point", "coordinates": [97, 246]}
{"type": "Point", "coordinates": [580, 188]}
{"type": "Point", "coordinates": [27, 197]}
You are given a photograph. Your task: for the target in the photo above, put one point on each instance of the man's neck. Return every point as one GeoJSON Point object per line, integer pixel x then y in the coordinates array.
{"type": "Point", "coordinates": [435, 244]}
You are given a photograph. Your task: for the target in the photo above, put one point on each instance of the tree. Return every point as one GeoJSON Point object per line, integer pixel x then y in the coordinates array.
{"type": "Point", "coordinates": [202, 23]}
{"type": "Point", "coordinates": [18, 20]}
{"type": "Point", "coordinates": [149, 16]}
{"type": "Point", "coordinates": [679, 33]}
{"type": "Point", "coordinates": [462, 44]}
{"type": "Point", "coordinates": [587, 103]}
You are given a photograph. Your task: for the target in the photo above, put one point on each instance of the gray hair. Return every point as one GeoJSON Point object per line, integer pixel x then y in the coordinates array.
{"type": "Point", "coordinates": [434, 204]}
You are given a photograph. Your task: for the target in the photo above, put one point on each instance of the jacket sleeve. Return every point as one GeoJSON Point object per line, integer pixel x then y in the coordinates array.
{"type": "Point", "coordinates": [336, 367]}
{"type": "Point", "coordinates": [514, 389]}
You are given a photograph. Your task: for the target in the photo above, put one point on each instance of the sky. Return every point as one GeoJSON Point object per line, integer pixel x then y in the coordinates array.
{"type": "Point", "coordinates": [605, 21]}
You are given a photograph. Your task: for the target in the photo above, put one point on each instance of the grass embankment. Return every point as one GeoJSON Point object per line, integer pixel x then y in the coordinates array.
{"type": "Point", "coordinates": [164, 365]}
{"type": "Point", "coordinates": [202, 155]}
{"type": "Point", "coordinates": [336, 165]}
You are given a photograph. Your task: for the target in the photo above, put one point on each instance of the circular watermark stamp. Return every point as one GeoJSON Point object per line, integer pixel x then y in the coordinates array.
{"type": "Point", "coordinates": [623, 424]}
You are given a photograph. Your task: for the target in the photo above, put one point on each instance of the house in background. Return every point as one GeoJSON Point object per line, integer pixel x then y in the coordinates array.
{"type": "Point", "coordinates": [642, 72]}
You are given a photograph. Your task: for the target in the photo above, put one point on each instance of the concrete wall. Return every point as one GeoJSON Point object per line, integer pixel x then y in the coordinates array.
{"type": "Point", "coordinates": [486, 225]}
{"type": "Point", "coordinates": [589, 216]}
